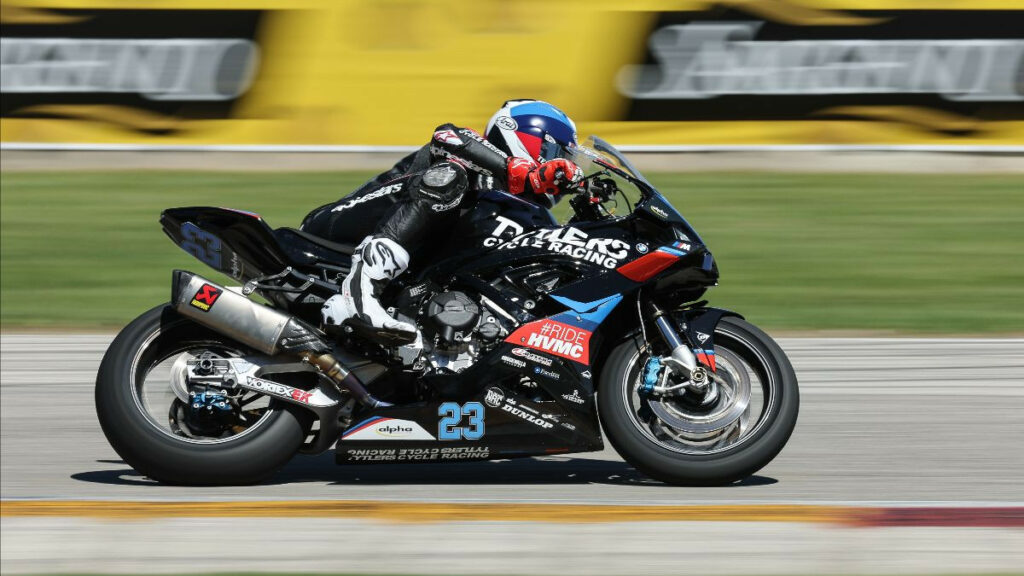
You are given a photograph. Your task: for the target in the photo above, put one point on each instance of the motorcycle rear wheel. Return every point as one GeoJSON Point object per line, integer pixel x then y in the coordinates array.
{"type": "Point", "coordinates": [167, 454]}
{"type": "Point", "coordinates": [664, 453]}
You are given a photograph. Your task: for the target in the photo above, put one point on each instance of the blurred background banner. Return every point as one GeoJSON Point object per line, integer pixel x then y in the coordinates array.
{"type": "Point", "coordinates": [661, 74]}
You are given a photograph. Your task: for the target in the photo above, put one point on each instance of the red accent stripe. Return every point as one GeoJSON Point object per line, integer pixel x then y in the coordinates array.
{"type": "Point", "coordinates": [977, 517]}
{"type": "Point", "coordinates": [647, 266]}
{"type": "Point", "coordinates": [707, 360]}
{"type": "Point", "coordinates": [531, 142]}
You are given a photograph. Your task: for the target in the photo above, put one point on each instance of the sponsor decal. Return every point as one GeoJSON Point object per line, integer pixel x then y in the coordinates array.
{"type": "Point", "coordinates": [553, 337]}
{"type": "Point", "coordinates": [575, 243]}
{"type": "Point", "coordinates": [301, 396]}
{"type": "Point", "coordinates": [494, 397]}
{"type": "Point", "coordinates": [702, 337]}
{"type": "Point", "coordinates": [313, 398]}
{"type": "Point", "coordinates": [448, 206]}
{"type": "Point", "coordinates": [270, 387]}
{"type": "Point", "coordinates": [379, 428]}
{"type": "Point", "coordinates": [546, 373]}
{"type": "Point", "coordinates": [504, 227]}
{"type": "Point", "coordinates": [148, 71]}
{"type": "Point", "coordinates": [526, 354]}
{"type": "Point", "coordinates": [176, 69]}
{"type": "Point", "coordinates": [513, 362]}
{"type": "Point", "coordinates": [642, 248]}
{"type": "Point", "coordinates": [448, 137]}
{"type": "Point", "coordinates": [586, 374]}
{"type": "Point", "coordinates": [385, 191]}
{"type": "Point", "coordinates": [659, 212]}
{"type": "Point", "coordinates": [507, 123]}
{"type": "Point", "coordinates": [704, 60]}
{"type": "Point", "coordinates": [519, 412]}
{"type": "Point", "coordinates": [575, 397]}
{"type": "Point", "coordinates": [438, 151]}
{"type": "Point", "coordinates": [943, 71]}
{"type": "Point", "coordinates": [205, 297]}
{"type": "Point", "coordinates": [471, 134]}
{"type": "Point", "coordinates": [236, 267]}
{"type": "Point", "coordinates": [416, 454]}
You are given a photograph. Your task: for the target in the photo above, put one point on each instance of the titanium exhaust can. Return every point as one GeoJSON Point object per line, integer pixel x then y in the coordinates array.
{"type": "Point", "coordinates": [261, 327]}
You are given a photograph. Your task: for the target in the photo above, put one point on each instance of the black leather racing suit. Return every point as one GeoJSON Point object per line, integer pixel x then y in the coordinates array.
{"type": "Point", "coordinates": [399, 205]}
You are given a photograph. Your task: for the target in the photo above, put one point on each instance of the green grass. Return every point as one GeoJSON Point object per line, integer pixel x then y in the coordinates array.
{"type": "Point", "coordinates": [862, 252]}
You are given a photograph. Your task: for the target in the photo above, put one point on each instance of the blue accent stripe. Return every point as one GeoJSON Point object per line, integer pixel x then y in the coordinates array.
{"type": "Point", "coordinates": [539, 108]}
{"type": "Point", "coordinates": [673, 251]}
{"type": "Point", "coordinates": [546, 118]}
{"type": "Point", "coordinates": [577, 306]}
{"type": "Point", "coordinates": [591, 314]}
{"type": "Point", "coordinates": [362, 425]}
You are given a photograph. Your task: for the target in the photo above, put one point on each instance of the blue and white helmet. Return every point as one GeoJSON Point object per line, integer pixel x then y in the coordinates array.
{"type": "Point", "coordinates": [531, 129]}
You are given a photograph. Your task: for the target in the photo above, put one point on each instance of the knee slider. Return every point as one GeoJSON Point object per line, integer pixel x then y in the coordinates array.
{"type": "Point", "coordinates": [443, 185]}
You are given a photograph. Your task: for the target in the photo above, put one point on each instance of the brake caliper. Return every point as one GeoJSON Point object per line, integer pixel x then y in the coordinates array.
{"type": "Point", "coordinates": [651, 373]}
{"type": "Point", "coordinates": [209, 401]}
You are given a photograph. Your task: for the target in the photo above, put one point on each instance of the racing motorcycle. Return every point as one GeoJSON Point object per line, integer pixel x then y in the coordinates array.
{"type": "Point", "coordinates": [535, 338]}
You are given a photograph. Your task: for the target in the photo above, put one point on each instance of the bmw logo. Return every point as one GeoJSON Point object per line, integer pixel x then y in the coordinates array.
{"type": "Point", "coordinates": [641, 248]}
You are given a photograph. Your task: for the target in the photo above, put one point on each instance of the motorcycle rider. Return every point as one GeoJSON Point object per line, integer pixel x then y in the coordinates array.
{"type": "Point", "coordinates": [523, 153]}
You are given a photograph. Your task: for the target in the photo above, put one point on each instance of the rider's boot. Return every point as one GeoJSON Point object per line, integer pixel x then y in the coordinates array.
{"type": "Point", "coordinates": [376, 261]}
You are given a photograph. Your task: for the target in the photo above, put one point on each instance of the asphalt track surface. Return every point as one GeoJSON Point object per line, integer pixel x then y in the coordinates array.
{"type": "Point", "coordinates": [881, 420]}
{"type": "Point", "coordinates": [885, 425]}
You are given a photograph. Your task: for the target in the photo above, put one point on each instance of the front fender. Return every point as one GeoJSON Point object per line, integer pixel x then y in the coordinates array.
{"type": "Point", "coordinates": [698, 327]}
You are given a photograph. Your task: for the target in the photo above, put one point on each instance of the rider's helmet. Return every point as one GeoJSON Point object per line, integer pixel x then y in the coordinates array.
{"type": "Point", "coordinates": [531, 129]}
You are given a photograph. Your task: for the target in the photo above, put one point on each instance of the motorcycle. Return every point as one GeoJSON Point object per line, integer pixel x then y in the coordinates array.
{"type": "Point", "coordinates": [535, 339]}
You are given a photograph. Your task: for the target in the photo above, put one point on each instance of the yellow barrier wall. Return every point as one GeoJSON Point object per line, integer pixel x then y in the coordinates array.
{"type": "Point", "coordinates": [385, 72]}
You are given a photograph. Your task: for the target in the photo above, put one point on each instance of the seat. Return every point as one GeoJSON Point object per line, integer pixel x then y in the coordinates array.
{"type": "Point", "coordinates": [344, 248]}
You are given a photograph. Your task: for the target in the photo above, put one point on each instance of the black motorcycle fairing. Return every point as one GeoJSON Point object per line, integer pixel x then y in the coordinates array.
{"type": "Point", "coordinates": [510, 424]}
{"type": "Point", "coordinates": [307, 249]}
{"type": "Point", "coordinates": [658, 209]}
{"type": "Point", "coordinates": [237, 243]}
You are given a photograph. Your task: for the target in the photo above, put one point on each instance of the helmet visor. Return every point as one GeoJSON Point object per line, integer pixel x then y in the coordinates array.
{"type": "Point", "coordinates": [552, 150]}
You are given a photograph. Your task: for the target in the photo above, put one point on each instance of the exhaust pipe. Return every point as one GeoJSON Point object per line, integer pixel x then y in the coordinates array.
{"type": "Point", "coordinates": [261, 327]}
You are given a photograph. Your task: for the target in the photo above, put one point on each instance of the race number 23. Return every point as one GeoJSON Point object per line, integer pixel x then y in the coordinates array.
{"type": "Point", "coordinates": [451, 425]}
{"type": "Point", "coordinates": [201, 244]}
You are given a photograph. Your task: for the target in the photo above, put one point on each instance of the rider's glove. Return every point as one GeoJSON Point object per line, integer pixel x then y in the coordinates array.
{"type": "Point", "coordinates": [555, 177]}
{"type": "Point", "coordinates": [552, 177]}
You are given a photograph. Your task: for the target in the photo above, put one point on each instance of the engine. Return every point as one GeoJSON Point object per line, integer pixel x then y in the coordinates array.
{"type": "Point", "coordinates": [456, 329]}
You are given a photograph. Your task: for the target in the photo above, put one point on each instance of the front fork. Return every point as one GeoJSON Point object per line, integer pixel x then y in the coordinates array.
{"type": "Point", "coordinates": [681, 361]}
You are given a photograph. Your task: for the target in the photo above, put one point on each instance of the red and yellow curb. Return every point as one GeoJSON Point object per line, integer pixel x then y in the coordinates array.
{"type": "Point", "coordinates": [428, 512]}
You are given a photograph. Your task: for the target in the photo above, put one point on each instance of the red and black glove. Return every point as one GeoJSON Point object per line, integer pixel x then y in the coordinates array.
{"type": "Point", "coordinates": [552, 177]}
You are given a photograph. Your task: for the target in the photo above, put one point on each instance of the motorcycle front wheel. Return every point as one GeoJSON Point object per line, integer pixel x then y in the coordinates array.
{"type": "Point", "coordinates": [217, 437]}
{"type": "Point", "coordinates": [703, 439]}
